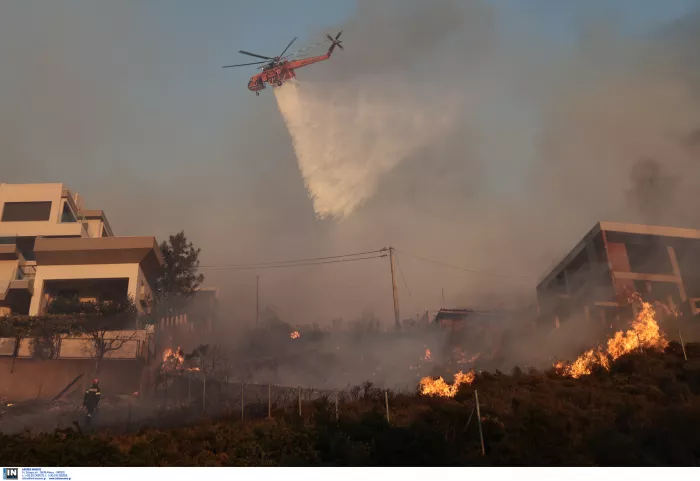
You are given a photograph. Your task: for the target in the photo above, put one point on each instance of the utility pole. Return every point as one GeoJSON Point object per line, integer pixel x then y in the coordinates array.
{"type": "Point", "coordinates": [395, 290]}
{"type": "Point", "coordinates": [257, 300]}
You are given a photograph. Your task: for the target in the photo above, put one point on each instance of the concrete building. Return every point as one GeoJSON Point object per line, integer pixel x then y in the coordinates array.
{"type": "Point", "coordinates": [613, 260]}
{"type": "Point", "coordinates": [50, 245]}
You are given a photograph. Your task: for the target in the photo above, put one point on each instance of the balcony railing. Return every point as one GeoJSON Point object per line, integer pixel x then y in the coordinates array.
{"type": "Point", "coordinates": [26, 272]}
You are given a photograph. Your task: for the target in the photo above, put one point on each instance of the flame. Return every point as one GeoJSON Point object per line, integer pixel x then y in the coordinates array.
{"type": "Point", "coordinates": [173, 360]}
{"type": "Point", "coordinates": [438, 387]}
{"type": "Point", "coordinates": [9, 405]}
{"type": "Point", "coordinates": [428, 356]}
{"type": "Point", "coordinates": [645, 333]}
{"type": "Point", "coordinates": [294, 335]}
{"type": "Point", "coordinates": [462, 358]}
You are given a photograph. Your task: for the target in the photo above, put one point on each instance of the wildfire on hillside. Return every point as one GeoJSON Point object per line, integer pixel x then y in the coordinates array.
{"type": "Point", "coordinates": [438, 387]}
{"type": "Point", "coordinates": [462, 357]}
{"type": "Point", "coordinates": [294, 335]}
{"type": "Point", "coordinates": [644, 334]}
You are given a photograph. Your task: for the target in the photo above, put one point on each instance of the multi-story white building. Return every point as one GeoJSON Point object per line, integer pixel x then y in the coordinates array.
{"type": "Point", "coordinates": [50, 245]}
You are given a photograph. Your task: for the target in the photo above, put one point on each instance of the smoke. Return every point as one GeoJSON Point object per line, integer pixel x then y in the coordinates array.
{"type": "Point", "coordinates": [347, 137]}
{"type": "Point", "coordinates": [549, 116]}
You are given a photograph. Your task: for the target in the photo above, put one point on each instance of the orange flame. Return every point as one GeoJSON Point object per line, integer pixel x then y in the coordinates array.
{"type": "Point", "coordinates": [462, 358]}
{"type": "Point", "coordinates": [173, 360]}
{"type": "Point", "coordinates": [438, 387]}
{"type": "Point", "coordinates": [644, 334]}
{"type": "Point", "coordinates": [294, 335]}
{"type": "Point", "coordinates": [428, 356]}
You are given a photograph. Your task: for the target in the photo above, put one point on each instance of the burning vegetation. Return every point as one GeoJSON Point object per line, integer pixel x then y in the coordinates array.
{"type": "Point", "coordinates": [294, 335]}
{"type": "Point", "coordinates": [438, 387]}
{"type": "Point", "coordinates": [644, 333]}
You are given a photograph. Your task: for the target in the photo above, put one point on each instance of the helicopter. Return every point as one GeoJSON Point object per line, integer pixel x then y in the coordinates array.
{"type": "Point", "coordinates": [277, 70]}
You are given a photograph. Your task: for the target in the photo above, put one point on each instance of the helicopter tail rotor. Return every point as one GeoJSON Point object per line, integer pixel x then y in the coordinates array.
{"type": "Point", "coordinates": [335, 42]}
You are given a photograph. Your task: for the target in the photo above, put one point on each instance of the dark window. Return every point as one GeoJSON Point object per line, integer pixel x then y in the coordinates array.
{"type": "Point", "coordinates": [8, 240]}
{"type": "Point", "coordinates": [104, 232]}
{"type": "Point", "coordinates": [26, 211]}
{"type": "Point", "coordinates": [649, 258]}
{"type": "Point", "coordinates": [67, 214]}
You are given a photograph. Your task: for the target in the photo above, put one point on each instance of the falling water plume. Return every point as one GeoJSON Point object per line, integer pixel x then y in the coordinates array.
{"type": "Point", "coordinates": [346, 139]}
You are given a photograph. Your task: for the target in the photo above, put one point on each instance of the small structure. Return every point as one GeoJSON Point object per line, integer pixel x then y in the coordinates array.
{"type": "Point", "coordinates": [612, 261]}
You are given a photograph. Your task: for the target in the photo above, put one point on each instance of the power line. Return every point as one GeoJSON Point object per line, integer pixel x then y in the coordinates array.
{"type": "Point", "coordinates": [260, 266]}
{"type": "Point", "coordinates": [310, 259]}
{"type": "Point", "coordinates": [402, 277]}
{"type": "Point", "coordinates": [495, 274]}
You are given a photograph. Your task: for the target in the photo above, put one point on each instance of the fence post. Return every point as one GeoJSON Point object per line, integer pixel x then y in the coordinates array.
{"type": "Point", "coordinates": [683, 345]}
{"type": "Point", "coordinates": [204, 395]}
{"type": "Point", "coordinates": [242, 401]}
{"type": "Point", "coordinates": [336, 405]}
{"type": "Point", "coordinates": [269, 402]}
{"type": "Point", "coordinates": [386, 401]}
{"type": "Point", "coordinates": [478, 418]}
{"type": "Point", "coordinates": [299, 401]}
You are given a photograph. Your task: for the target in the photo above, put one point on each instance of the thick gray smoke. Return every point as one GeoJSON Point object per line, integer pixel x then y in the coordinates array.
{"type": "Point", "coordinates": [551, 133]}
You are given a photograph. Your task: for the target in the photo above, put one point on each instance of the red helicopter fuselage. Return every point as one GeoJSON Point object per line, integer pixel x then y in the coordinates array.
{"type": "Point", "coordinates": [278, 70]}
{"type": "Point", "coordinates": [283, 71]}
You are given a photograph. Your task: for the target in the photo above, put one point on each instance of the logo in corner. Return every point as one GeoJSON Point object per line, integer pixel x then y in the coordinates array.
{"type": "Point", "coordinates": [10, 473]}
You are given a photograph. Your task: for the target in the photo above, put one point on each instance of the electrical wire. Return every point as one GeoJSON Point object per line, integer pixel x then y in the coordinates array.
{"type": "Point", "coordinates": [256, 267]}
{"type": "Point", "coordinates": [310, 259]}
{"type": "Point", "coordinates": [474, 271]}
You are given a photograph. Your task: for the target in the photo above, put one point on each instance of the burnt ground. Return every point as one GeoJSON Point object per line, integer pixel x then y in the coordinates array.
{"type": "Point", "coordinates": [645, 411]}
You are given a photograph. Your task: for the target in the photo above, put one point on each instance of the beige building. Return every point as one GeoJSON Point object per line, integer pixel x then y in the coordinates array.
{"type": "Point", "coordinates": [613, 260]}
{"type": "Point", "coordinates": [51, 245]}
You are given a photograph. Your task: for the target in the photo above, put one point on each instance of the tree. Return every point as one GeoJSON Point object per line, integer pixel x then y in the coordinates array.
{"type": "Point", "coordinates": [103, 332]}
{"type": "Point", "coordinates": [181, 276]}
{"type": "Point", "coordinates": [100, 321]}
{"type": "Point", "coordinates": [17, 329]}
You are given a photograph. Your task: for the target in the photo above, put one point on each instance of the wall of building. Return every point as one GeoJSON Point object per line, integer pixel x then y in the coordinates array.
{"type": "Point", "coordinates": [8, 270]}
{"type": "Point", "coordinates": [95, 271]}
{"type": "Point", "coordinates": [32, 379]}
{"type": "Point", "coordinates": [36, 193]}
{"type": "Point", "coordinates": [94, 227]}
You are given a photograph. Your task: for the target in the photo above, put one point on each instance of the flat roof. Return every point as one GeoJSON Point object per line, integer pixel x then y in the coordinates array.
{"type": "Point", "coordinates": [603, 226]}
{"type": "Point", "coordinates": [101, 250]}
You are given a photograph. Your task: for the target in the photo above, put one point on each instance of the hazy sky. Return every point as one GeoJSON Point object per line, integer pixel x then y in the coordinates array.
{"type": "Point", "coordinates": [126, 103]}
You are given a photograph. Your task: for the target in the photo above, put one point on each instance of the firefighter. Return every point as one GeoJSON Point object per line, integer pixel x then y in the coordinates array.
{"type": "Point", "coordinates": [92, 398]}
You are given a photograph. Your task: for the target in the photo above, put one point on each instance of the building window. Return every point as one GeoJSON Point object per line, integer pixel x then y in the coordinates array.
{"type": "Point", "coordinates": [26, 211]}
{"type": "Point", "coordinates": [104, 232]}
{"type": "Point", "coordinates": [649, 258]}
{"type": "Point", "coordinates": [67, 215]}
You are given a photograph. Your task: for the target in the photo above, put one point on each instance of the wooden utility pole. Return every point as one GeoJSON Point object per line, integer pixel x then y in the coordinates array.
{"type": "Point", "coordinates": [394, 288]}
{"type": "Point", "coordinates": [257, 300]}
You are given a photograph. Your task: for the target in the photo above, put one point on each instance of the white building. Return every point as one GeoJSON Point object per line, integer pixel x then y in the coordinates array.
{"type": "Point", "coordinates": [50, 245]}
